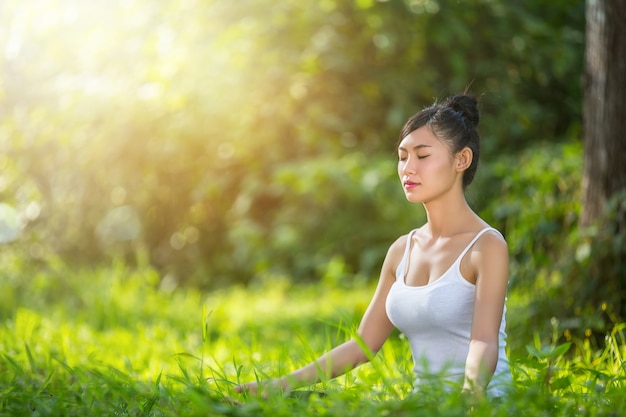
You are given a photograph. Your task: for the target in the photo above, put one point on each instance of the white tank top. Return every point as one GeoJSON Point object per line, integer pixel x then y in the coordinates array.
{"type": "Point", "coordinates": [437, 318]}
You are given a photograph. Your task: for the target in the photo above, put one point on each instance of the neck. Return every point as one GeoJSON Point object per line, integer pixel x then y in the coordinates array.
{"type": "Point", "coordinates": [450, 215]}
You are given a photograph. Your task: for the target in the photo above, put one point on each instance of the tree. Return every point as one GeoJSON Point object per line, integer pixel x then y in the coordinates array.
{"type": "Point", "coordinates": [604, 112]}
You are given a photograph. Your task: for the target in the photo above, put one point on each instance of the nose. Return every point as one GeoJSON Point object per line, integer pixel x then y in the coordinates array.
{"type": "Point", "coordinates": [407, 166]}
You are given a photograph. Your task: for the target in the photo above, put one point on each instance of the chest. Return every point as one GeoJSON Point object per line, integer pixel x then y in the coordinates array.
{"type": "Point", "coordinates": [429, 261]}
{"type": "Point", "coordinates": [439, 309]}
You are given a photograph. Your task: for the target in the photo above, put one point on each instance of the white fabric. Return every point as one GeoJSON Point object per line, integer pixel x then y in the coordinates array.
{"type": "Point", "coordinates": [437, 320]}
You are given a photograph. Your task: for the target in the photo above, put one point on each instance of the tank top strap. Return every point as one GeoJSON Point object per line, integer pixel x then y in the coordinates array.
{"type": "Point", "coordinates": [402, 266]}
{"type": "Point", "coordinates": [478, 235]}
{"type": "Point", "coordinates": [400, 270]}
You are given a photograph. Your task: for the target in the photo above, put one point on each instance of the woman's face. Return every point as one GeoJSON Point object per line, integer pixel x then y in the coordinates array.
{"type": "Point", "coordinates": [425, 166]}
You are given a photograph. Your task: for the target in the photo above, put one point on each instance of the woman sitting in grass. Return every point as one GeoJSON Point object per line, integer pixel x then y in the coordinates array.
{"type": "Point", "coordinates": [443, 284]}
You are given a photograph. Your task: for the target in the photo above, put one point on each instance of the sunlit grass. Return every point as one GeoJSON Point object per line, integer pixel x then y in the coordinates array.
{"type": "Point", "coordinates": [112, 342]}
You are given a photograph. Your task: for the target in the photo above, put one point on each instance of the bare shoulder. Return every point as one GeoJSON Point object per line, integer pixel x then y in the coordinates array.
{"type": "Point", "coordinates": [492, 241]}
{"type": "Point", "coordinates": [395, 254]}
{"type": "Point", "coordinates": [490, 245]}
{"type": "Point", "coordinates": [491, 238]}
{"type": "Point", "coordinates": [490, 255]}
{"type": "Point", "coordinates": [399, 244]}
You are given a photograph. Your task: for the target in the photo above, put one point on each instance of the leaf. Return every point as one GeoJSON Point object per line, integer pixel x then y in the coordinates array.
{"type": "Point", "coordinates": [562, 382]}
{"type": "Point", "coordinates": [31, 359]}
{"type": "Point", "coordinates": [548, 352]}
{"type": "Point", "coordinates": [14, 364]}
{"type": "Point", "coordinates": [561, 350]}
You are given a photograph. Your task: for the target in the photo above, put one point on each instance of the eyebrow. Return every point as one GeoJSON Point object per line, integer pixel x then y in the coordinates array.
{"type": "Point", "coordinates": [415, 148]}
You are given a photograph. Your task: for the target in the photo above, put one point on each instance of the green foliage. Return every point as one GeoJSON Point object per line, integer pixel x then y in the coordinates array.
{"type": "Point", "coordinates": [248, 139]}
{"type": "Point", "coordinates": [596, 262]}
{"type": "Point", "coordinates": [161, 352]}
{"type": "Point", "coordinates": [534, 199]}
{"type": "Point", "coordinates": [586, 289]}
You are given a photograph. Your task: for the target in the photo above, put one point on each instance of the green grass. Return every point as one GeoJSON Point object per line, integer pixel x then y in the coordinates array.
{"type": "Point", "coordinates": [113, 342]}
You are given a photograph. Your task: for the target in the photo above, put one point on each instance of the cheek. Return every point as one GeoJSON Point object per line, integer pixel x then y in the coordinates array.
{"type": "Point", "coordinates": [400, 169]}
{"type": "Point", "coordinates": [440, 164]}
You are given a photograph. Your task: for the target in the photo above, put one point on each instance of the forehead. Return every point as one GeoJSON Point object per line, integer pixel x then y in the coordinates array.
{"type": "Point", "coordinates": [422, 136]}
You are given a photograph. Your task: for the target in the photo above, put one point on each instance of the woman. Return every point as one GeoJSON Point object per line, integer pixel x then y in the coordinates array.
{"type": "Point", "coordinates": [443, 284]}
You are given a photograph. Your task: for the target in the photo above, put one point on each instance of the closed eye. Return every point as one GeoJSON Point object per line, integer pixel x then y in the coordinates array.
{"type": "Point", "coordinates": [422, 156]}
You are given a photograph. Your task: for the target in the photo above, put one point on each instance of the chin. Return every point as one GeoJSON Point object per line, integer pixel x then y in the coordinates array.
{"type": "Point", "coordinates": [414, 199]}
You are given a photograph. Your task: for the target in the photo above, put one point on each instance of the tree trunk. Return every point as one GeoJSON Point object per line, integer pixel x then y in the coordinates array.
{"type": "Point", "coordinates": [604, 109]}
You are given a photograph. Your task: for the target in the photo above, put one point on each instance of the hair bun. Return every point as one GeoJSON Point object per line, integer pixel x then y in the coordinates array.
{"type": "Point", "coordinates": [466, 105]}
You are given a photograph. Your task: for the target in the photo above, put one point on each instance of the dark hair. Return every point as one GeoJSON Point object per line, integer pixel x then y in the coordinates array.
{"type": "Point", "coordinates": [454, 122]}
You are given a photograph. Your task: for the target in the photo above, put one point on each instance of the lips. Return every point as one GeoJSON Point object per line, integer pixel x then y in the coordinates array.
{"type": "Point", "coordinates": [407, 184]}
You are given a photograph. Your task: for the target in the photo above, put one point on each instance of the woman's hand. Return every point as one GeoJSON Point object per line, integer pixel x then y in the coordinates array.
{"type": "Point", "coordinates": [263, 387]}
{"type": "Point", "coordinates": [251, 388]}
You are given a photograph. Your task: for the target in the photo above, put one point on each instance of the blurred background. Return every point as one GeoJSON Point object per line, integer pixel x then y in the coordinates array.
{"type": "Point", "coordinates": [233, 142]}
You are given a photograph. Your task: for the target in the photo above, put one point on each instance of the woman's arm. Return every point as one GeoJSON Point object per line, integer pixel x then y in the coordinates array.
{"type": "Point", "coordinates": [373, 331]}
{"type": "Point", "coordinates": [490, 260]}
{"type": "Point", "coordinates": [334, 363]}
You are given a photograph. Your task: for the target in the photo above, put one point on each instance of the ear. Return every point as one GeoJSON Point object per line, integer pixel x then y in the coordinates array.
{"type": "Point", "coordinates": [463, 159]}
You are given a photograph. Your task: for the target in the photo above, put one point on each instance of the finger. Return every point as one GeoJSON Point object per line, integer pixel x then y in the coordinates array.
{"type": "Point", "coordinates": [232, 401]}
{"type": "Point", "coordinates": [246, 388]}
